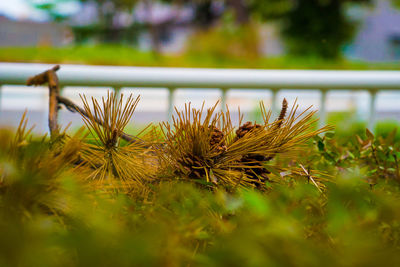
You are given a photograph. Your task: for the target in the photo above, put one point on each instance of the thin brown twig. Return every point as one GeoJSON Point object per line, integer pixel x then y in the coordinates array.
{"type": "Point", "coordinates": [49, 77]}
{"type": "Point", "coordinates": [71, 106]}
{"type": "Point", "coordinates": [310, 177]}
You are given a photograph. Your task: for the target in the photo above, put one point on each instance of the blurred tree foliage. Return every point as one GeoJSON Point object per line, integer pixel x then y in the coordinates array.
{"type": "Point", "coordinates": [106, 9]}
{"type": "Point", "coordinates": [52, 8]}
{"type": "Point", "coordinates": [226, 42]}
{"type": "Point", "coordinates": [105, 27]}
{"type": "Point", "coordinates": [310, 27]}
{"type": "Point", "coordinates": [317, 28]}
{"type": "Point", "coordinates": [207, 12]}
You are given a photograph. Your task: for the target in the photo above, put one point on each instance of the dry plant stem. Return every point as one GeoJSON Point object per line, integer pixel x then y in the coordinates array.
{"type": "Point", "coordinates": [397, 167]}
{"type": "Point", "coordinates": [311, 178]}
{"type": "Point", "coordinates": [51, 79]}
{"type": "Point", "coordinates": [71, 106]}
{"type": "Point", "coordinates": [374, 154]}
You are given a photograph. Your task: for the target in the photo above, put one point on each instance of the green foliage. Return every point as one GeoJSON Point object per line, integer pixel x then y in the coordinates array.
{"type": "Point", "coordinates": [371, 158]}
{"type": "Point", "coordinates": [386, 127]}
{"type": "Point", "coordinates": [87, 34]}
{"type": "Point", "coordinates": [226, 42]}
{"type": "Point", "coordinates": [53, 8]}
{"type": "Point", "coordinates": [316, 28]}
{"type": "Point", "coordinates": [105, 9]}
{"type": "Point", "coordinates": [310, 27]}
{"type": "Point", "coordinates": [184, 225]}
{"type": "Point", "coordinates": [103, 28]}
{"type": "Point", "coordinates": [346, 124]}
{"type": "Point", "coordinates": [396, 3]}
{"type": "Point", "coordinates": [129, 56]}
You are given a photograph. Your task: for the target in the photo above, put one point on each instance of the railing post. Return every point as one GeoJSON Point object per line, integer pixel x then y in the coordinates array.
{"type": "Point", "coordinates": [223, 99]}
{"type": "Point", "coordinates": [322, 109]}
{"type": "Point", "coordinates": [1, 91]}
{"type": "Point", "coordinates": [170, 103]}
{"type": "Point", "coordinates": [372, 110]}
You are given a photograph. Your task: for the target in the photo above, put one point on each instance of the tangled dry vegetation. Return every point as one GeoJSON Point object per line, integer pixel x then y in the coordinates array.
{"type": "Point", "coordinates": [200, 145]}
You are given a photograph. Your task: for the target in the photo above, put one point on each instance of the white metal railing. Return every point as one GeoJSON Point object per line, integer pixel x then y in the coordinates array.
{"type": "Point", "coordinates": [225, 79]}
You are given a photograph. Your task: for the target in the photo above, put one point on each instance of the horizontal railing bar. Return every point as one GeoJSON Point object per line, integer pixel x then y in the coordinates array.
{"type": "Point", "coordinates": [82, 75]}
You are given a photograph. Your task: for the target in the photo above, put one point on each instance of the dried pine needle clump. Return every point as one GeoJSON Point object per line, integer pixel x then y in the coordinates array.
{"type": "Point", "coordinates": [195, 145]}
{"type": "Point", "coordinates": [285, 136]}
{"type": "Point", "coordinates": [259, 173]}
{"type": "Point", "coordinates": [112, 165]}
{"type": "Point", "coordinates": [198, 149]}
{"type": "Point", "coordinates": [33, 172]}
{"type": "Point", "coordinates": [209, 151]}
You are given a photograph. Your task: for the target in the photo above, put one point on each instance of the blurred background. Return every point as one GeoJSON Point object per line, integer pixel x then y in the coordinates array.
{"type": "Point", "coordinates": [262, 34]}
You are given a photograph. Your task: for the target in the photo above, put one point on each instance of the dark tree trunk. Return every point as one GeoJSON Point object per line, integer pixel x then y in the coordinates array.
{"type": "Point", "coordinates": [241, 11]}
{"type": "Point", "coordinates": [204, 16]}
{"type": "Point", "coordinates": [153, 29]}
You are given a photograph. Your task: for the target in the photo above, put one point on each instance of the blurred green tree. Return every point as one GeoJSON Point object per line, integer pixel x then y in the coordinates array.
{"type": "Point", "coordinates": [204, 14]}
{"type": "Point", "coordinates": [310, 27]}
{"type": "Point", "coordinates": [105, 9]}
{"type": "Point", "coordinates": [53, 8]}
{"type": "Point", "coordinates": [317, 28]}
{"type": "Point", "coordinates": [104, 27]}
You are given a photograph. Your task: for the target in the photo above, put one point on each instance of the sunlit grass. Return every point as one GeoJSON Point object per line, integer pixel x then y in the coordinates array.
{"type": "Point", "coordinates": [129, 56]}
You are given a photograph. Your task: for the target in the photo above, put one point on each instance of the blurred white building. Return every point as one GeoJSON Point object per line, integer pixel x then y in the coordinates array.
{"type": "Point", "coordinates": [378, 38]}
{"type": "Point", "coordinates": [30, 33]}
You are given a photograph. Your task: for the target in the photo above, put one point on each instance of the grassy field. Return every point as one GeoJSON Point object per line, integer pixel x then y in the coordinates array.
{"type": "Point", "coordinates": [122, 55]}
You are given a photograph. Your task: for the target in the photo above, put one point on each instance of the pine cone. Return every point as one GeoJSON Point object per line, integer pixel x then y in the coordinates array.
{"type": "Point", "coordinates": [188, 162]}
{"type": "Point", "coordinates": [259, 175]}
{"type": "Point", "coordinates": [245, 128]}
{"type": "Point", "coordinates": [217, 139]}
{"type": "Point", "coordinates": [283, 113]}
{"type": "Point", "coordinates": [192, 165]}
